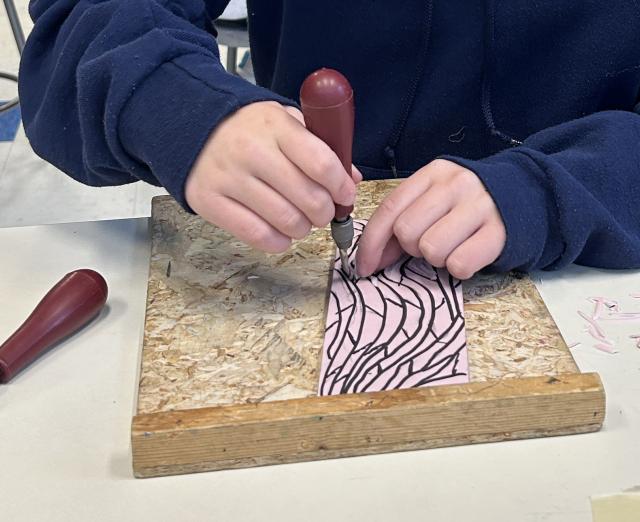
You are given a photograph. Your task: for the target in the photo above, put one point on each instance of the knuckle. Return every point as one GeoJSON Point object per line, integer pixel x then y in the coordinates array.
{"type": "Point", "coordinates": [289, 218]}
{"type": "Point", "coordinates": [501, 232]}
{"type": "Point", "coordinates": [294, 224]}
{"type": "Point", "coordinates": [439, 164]}
{"type": "Point", "coordinates": [192, 193]}
{"type": "Point", "coordinates": [426, 174]}
{"type": "Point", "coordinates": [259, 237]}
{"type": "Point", "coordinates": [389, 205]}
{"type": "Point", "coordinates": [482, 201]}
{"type": "Point", "coordinates": [347, 186]}
{"type": "Point", "coordinates": [488, 208]}
{"type": "Point", "coordinates": [204, 202]}
{"type": "Point", "coordinates": [430, 251]}
{"type": "Point", "coordinates": [438, 169]}
{"type": "Point", "coordinates": [321, 209]}
{"type": "Point", "coordinates": [498, 233]}
{"type": "Point", "coordinates": [271, 113]}
{"type": "Point", "coordinates": [302, 231]}
{"type": "Point", "coordinates": [459, 267]}
{"type": "Point", "coordinates": [403, 230]}
{"type": "Point", "coordinates": [465, 179]}
{"type": "Point", "coordinates": [323, 164]}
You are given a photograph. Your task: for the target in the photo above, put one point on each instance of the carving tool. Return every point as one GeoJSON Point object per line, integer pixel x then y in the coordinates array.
{"type": "Point", "coordinates": [326, 98]}
{"type": "Point", "coordinates": [76, 299]}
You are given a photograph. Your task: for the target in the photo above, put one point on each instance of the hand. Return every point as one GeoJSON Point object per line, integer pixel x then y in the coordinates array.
{"type": "Point", "coordinates": [442, 213]}
{"type": "Point", "coordinates": [266, 179]}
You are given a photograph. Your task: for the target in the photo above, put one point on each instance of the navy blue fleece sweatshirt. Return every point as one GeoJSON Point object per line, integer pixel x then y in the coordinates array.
{"type": "Point", "coordinates": [537, 98]}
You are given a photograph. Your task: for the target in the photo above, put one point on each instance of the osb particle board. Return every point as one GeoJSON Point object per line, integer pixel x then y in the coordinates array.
{"type": "Point", "coordinates": [229, 325]}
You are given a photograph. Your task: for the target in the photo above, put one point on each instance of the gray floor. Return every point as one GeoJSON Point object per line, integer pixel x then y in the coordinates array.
{"type": "Point", "coordinates": [33, 192]}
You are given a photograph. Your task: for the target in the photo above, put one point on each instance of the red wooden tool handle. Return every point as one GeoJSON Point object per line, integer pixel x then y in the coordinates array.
{"type": "Point", "coordinates": [69, 305]}
{"type": "Point", "coordinates": [326, 98]}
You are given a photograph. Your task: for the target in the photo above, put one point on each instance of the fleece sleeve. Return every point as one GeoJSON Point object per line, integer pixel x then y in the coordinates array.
{"type": "Point", "coordinates": [115, 91]}
{"type": "Point", "coordinates": [570, 193]}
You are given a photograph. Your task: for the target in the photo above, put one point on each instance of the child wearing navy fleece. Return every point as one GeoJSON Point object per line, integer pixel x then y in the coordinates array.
{"type": "Point", "coordinates": [515, 123]}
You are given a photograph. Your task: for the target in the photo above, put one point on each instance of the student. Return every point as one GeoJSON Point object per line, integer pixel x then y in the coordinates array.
{"type": "Point", "coordinates": [528, 106]}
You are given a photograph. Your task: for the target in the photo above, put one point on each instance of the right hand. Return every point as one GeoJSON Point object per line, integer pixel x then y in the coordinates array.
{"type": "Point", "coordinates": [266, 179]}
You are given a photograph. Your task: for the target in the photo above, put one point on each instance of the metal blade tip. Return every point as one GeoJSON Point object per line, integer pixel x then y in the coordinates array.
{"type": "Point", "coordinates": [347, 267]}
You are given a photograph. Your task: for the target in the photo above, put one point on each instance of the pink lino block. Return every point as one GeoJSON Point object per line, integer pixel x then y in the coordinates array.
{"type": "Point", "coordinates": [403, 327]}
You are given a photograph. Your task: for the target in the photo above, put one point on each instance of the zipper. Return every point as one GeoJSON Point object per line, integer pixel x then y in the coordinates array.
{"type": "Point", "coordinates": [390, 149]}
{"type": "Point", "coordinates": [487, 69]}
{"type": "Point", "coordinates": [391, 159]}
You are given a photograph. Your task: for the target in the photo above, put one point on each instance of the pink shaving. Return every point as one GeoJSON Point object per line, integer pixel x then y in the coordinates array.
{"type": "Point", "coordinates": [594, 329]}
{"type": "Point", "coordinates": [593, 332]}
{"type": "Point", "coordinates": [611, 309]}
{"type": "Point", "coordinates": [619, 316]}
{"type": "Point", "coordinates": [605, 348]}
{"type": "Point", "coordinates": [601, 303]}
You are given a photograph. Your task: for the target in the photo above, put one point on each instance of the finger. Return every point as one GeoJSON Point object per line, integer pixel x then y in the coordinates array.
{"type": "Point", "coordinates": [295, 112]}
{"type": "Point", "coordinates": [310, 197]}
{"type": "Point", "coordinates": [243, 224]}
{"type": "Point", "coordinates": [379, 229]}
{"type": "Point", "coordinates": [426, 210]}
{"type": "Point", "coordinates": [316, 160]}
{"type": "Point", "coordinates": [477, 252]}
{"type": "Point", "coordinates": [441, 239]}
{"type": "Point", "coordinates": [356, 175]}
{"type": "Point", "coordinates": [271, 206]}
{"type": "Point", "coordinates": [390, 254]}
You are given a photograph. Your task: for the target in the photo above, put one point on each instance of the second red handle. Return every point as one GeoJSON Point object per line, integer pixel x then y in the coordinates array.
{"type": "Point", "coordinates": [69, 305]}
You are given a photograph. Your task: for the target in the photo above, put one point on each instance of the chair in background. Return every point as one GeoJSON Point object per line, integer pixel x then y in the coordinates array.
{"type": "Point", "coordinates": [18, 36]}
{"type": "Point", "coordinates": [232, 34]}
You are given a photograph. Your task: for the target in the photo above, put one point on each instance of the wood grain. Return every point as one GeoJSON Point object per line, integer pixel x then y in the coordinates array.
{"type": "Point", "coordinates": [358, 424]}
{"type": "Point", "coordinates": [226, 324]}
{"type": "Point", "coordinates": [231, 351]}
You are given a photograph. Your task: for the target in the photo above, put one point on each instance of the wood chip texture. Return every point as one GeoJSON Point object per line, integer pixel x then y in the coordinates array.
{"type": "Point", "coordinates": [226, 324]}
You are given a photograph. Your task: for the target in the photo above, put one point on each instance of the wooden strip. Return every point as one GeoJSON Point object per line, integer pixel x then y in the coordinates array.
{"type": "Point", "coordinates": [316, 428]}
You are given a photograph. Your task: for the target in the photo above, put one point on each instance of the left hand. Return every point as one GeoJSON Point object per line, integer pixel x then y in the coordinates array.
{"type": "Point", "coordinates": [442, 213]}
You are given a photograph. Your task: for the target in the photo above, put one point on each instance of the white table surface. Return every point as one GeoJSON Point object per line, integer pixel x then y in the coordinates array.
{"type": "Point", "coordinates": [65, 422]}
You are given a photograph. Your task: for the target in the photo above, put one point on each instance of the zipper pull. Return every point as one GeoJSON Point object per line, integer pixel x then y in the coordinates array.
{"type": "Point", "coordinates": [391, 157]}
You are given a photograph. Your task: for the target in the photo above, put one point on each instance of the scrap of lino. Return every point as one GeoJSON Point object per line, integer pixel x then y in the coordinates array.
{"type": "Point", "coordinates": [403, 327]}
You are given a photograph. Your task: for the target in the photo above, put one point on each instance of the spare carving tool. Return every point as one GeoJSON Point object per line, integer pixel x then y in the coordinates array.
{"type": "Point", "coordinates": [326, 98]}
{"type": "Point", "coordinates": [76, 299]}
